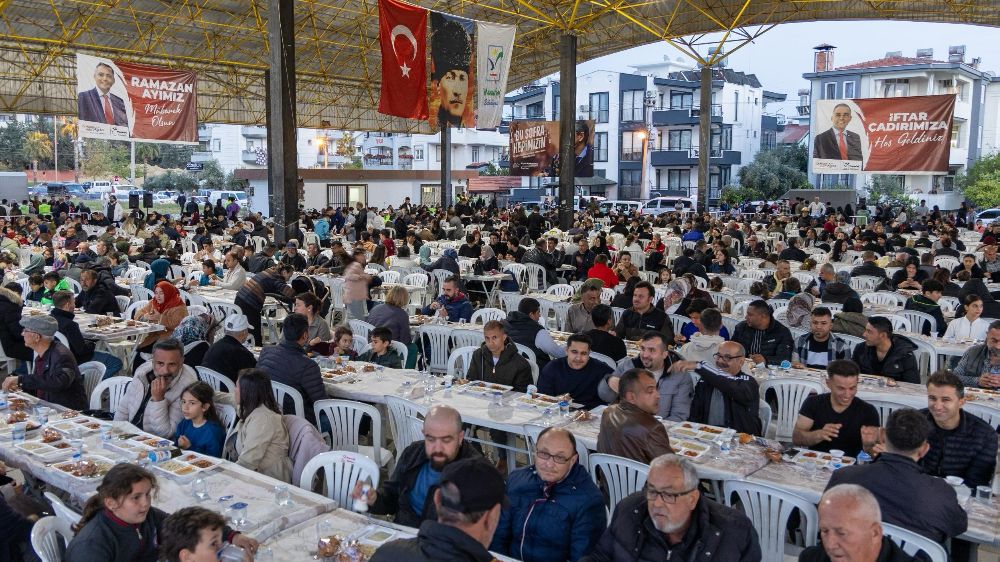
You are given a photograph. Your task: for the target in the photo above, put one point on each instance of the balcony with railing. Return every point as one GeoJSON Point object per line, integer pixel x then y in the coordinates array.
{"type": "Point", "coordinates": [671, 116]}
{"type": "Point", "coordinates": [689, 157]}
{"type": "Point", "coordinates": [254, 131]}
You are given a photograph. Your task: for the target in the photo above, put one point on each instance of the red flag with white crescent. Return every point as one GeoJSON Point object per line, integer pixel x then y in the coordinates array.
{"type": "Point", "coordinates": [402, 34]}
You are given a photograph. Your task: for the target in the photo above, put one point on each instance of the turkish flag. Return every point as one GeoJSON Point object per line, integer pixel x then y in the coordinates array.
{"type": "Point", "coordinates": [402, 33]}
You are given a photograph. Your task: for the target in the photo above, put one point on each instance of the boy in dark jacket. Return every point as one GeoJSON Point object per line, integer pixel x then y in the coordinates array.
{"type": "Point", "coordinates": [927, 302]}
{"type": "Point", "coordinates": [381, 352]}
{"type": "Point", "coordinates": [886, 354]}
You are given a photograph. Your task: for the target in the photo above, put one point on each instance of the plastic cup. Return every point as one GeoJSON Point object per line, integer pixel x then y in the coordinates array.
{"type": "Point", "coordinates": [282, 495]}
{"type": "Point", "coordinates": [18, 431]}
{"type": "Point", "coordinates": [984, 493]}
{"type": "Point", "coordinates": [106, 431]}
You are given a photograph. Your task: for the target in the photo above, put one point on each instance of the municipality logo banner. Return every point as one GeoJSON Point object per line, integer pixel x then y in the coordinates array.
{"type": "Point", "coordinates": [495, 43]}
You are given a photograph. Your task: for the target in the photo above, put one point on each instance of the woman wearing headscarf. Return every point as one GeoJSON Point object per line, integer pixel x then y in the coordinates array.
{"type": "Point", "coordinates": [448, 261]}
{"type": "Point", "coordinates": [157, 272]}
{"type": "Point", "coordinates": [424, 254]}
{"type": "Point", "coordinates": [799, 311]}
{"type": "Point", "coordinates": [195, 327]}
{"type": "Point", "coordinates": [166, 308]}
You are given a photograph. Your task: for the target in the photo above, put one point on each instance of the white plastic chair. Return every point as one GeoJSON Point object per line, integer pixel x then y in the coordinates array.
{"type": "Point", "coordinates": [115, 386]}
{"type": "Point", "coordinates": [123, 302]}
{"type": "Point", "coordinates": [435, 340]}
{"type": "Point", "coordinates": [531, 433]}
{"type": "Point", "coordinates": [281, 391]}
{"type": "Point", "coordinates": [535, 276]}
{"type": "Point", "coordinates": [218, 381]}
{"type": "Point", "coordinates": [604, 359]}
{"type": "Point", "coordinates": [529, 355]}
{"type": "Point", "coordinates": [389, 276]}
{"type": "Point", "coordinates": [560, 290]}
{"type": "Point", "coordinates": [607, 295]}
{"type": "Point", "coordinates": [400, 411]}
{"type": "Point", "coordinates": [885, 407]}
{"type": "Point", "coordinates": [510, 300]}
{"type": "Point", "coordinates": [791, 393]}
{"type": "Point", "coordinates": [74, 285]}
{"type": "Point", "coordinates": [62, 510]}
{"type": "Point", "coordinates": [769, 509]}
{"type": "Point", "coordinates": [484, 315]}
{"type": "Point", "coordinates": [949, 305]}
{"type": "Point", "coordinates": [402, 350]}
{"type": "Point", "coordinates": [885, 298]}
{"type": "Point", "coordinates": [360, 329]}
{"type": "Point", "coordinates": [899, 323]}
{"type": "Point", "coordinates": [918, 319]}
{"type": "Point", "coordinates": [46, 535]}
{"type": "Point", "coordinates": [220, 310]}
{"type": "Point", "coordinates": [440, 276]}
{"type": "Point", "coordinates": [133, 308]}
{"type": "Point", "coordinates": [93, 372]}
{"type": "Point", "coordinates": [617, 312]}
{"type": "Point", "coordinates": [345, 423]}
{"type": "Point", "coordinates": [460, 356]}
{"type": "Point", "coordinates": [865, 283]}
{"type": "Point", "coordinates": [228, 416]}
{"type": "Point", "coordinates": [341, 471]}
{"type": "Point", "coordinates": [764, 412]}
{"type": "Point", "coordinates": [912, 543]}
{"type": "Point", "coordinates": [561, 310]}
{"type": "Point", "coordinates": [621, 476]}
{"type": "Point", "coordinates": [416, 279]}
{"type": "Point", "coordinates": [985, 413]}
{"type": "Point", "coordinates": [465, 338]}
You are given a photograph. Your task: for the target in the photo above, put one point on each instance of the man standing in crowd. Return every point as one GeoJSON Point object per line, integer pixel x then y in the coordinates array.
{"type": "Point", "coordinates": [409, 492]}
{"type": "Point", "coordinates": [908, 497]}
{"type": "Point", "coordinates": [629, 428]}
{"type": "Point", "coordinates": [675, 389]}
{"type": "Point", "coordinates": [670, 520]}
{"type": "Point", "coordinates": [838, 419]}
{"type": "Point", "coordinates": [643, 316]}
{"type": "Point", "coordinates": [764, 338]}
{"type": "Point", "coordinates": [577, 374]}
{"type": "Point", "coordinates": [961, 444]}
{"type": "Point", "coordinates": [556, 511]}
{"type": "Point", "coordinates": [725, 396]}
{"type": "Point", "coordinates": [819, 347]}
{"type": "Point", "coordinates": [886, 354]}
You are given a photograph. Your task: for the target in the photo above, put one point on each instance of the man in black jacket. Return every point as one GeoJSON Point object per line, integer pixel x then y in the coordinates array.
{"type": "Point", "coordinates": [468, 503]}
{"type": "Point", "coordinates": [793, 252]}
{"type": "Point", "coordinates": [850, 524]}
{"type": "Point", "coordinates": [96, 297]}
{"type": "Point", "coordinates": [764, 338]}
{"type": "Point", "coordinates": [643, 316]}
{"type": "Point", "coordinates": [671, 520]}
{"type": "Point", "coordinates": [927, 302]}
{"type": "Point", "coordinates": [229, 356]}
{"type": "Point", "coordinates": [409, 493]}
{"type": "Point", "coordinates": [886, 354]}
{"type": "Point", "coordinates": [262, 259]}
{"type": "Point", "coordinates": [56, 377]}
{"type": "Point", "coordinates": [896, 479]}
{"type": "Point", "coordinates": [869, 268]}
{"type": "Point", "coordinates": [961, 444]}
{"type": "Point", "coordinates": [724, 384]}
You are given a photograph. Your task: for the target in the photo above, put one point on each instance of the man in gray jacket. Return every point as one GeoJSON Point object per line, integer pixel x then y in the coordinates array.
{"type": "Point", "coordinates": [980, 365]}
{"type": "Point", "coordinates": [675, 389]}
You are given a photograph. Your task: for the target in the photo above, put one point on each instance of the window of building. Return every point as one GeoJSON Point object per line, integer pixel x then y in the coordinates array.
{"type": "Point", "coordinates": [430, 194]}
{"type": "Point", "coordinates": [216, 145]}
{"type": "Point", "coordinates": [342, 195]}
{"type": "Point", "coordinates": [600, 147]}
{"type": "Point", "coordinates": [722, 139]}
{"type": "Point", "coordinates": [736, 106]}
{"type": "Point", "coordinates": [629, 184]}
{"type": "Point", "coordinates": [600, 173]}
{"type": "Point", "coordinates": [678, 179]}
{"type": "Point", "coordinates": [475, 154]}
{"type": "Point", "coordinates": [836, 180]}
{"type": "Point", "coordinates": [633, 105]}
{"type": "Point", "coordinates": [437, 152]}
{"type": "Point", "coordinates": [768, 139]}
{"type": "Point", "coordinates": [599, 107]}
{"type": "Point", "coordinates": [659, 104]}
{"type": "Point", "coordinates": [679, 139]}
{"type": "Point", "coordinates": [895, 87]}
{"type": "Point", "coordinates": [418, 152]}
{"type": "Point", "coordinates": [535, 110]}
{"type": "Point", "coordinates": [631, 146]}
{"type": "Point", "coordinates": [956, 135]}
{"type": "Point", "coordinates": [681, 100]}
{"type": "Point", "coordinates": [830, 91]}
{"type": "Point", "coordinates": [849, 90]}
{"type": "Point", "coordinates": [555, 107]}
{"type": "Point", "coordinates": [657, 184]}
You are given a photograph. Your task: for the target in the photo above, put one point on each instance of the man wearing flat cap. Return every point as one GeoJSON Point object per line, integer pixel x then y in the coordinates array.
{"type": "Point", "coordinates": [55, 376]}
{"type": "Point", "coordinates": [469, 499]}
{"type": "Point", "coordinates": [451, 51]}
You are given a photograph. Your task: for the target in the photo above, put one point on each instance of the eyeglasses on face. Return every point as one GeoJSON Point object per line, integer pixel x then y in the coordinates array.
{"type": "Point", "coordinates": [545, 456]}
{"type": "Point", "coordinates": [666, 497]}
{"type": "Point", "coordinates": [727, 357]}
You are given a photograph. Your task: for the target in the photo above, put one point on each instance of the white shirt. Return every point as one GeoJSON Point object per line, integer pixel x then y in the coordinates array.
{"type": "Point", "coordinates": [962, 329]}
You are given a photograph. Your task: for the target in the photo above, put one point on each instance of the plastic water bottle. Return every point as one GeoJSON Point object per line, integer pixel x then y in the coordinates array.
{"type": "Point", "coordinates": [361, 504]}
{"type": "Point", "coordinates": [77, 445]}
{"type": "Point", "coordinates": [564, 408]}
{"type": "Point", "coordinates": [163, 454]}
{"type": "Point", "coordinates": [864, 458]}
{"type": "Point", "coordinates": [3, 400]}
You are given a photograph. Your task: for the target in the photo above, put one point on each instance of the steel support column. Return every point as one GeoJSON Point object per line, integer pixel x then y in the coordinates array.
{"type": "Point", "coordinates": [567, 125]}
{"type": "Point", "coordinates": [282, 160]}
{"type": "Point", "coordinates": [704, 136]}
{"type": "Point", "coordinates": [445, 165]}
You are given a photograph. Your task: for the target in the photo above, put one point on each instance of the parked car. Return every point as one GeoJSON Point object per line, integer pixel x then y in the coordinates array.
{"type": "Point", "coordinates": [620, 207]}
{"type": "Point", "coordinates": [988, 216]}
{"type": "Point", "coordinates": [660, 205]}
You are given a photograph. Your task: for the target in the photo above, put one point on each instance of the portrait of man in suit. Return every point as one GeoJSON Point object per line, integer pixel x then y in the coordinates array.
{"type": "Point", "coordinates": [584, 151]}
{"type": "Point", "coordinates": [837, 143]}
{"type": "Point", "coordinates": [99, 104]}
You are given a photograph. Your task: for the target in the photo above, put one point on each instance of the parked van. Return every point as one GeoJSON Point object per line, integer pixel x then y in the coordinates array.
{"type": "Point", "coordinates": [660, 205]}
{"type": "Point", "coordinates": [101, 188]}
{"type": "Point", "coordinates": [121, 191]}
{"type": "Point", "coordinates": [620, 207]}
{"type": "Point", "coordinates": [240, 196]}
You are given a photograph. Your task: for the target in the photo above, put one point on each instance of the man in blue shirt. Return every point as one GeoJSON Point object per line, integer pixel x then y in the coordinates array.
{"type": "Point", "coordinates": [407, 494]}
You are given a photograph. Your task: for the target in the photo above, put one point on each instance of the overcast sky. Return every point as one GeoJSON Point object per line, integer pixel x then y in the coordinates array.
{"type": "Point", "coordinates": [780, 56]}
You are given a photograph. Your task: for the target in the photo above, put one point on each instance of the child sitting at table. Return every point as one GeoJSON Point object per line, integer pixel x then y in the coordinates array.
{"type": "Point", "coordinates": [36, 290]}
{"type": "Point", "coordinates": [381, 352]}
{"type": "Point", "coordinates": [209, 273]}
{"type": "Point", "coordinates": [192, 533]}
{"type": "Point", "coordinates": [201, 430]}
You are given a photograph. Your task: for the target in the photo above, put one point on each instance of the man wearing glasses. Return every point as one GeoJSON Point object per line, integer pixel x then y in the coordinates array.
{"type": "Point", "coordinates": [725, 396]}
{"type": "Point", "coordinates": [670, 520]}
{"type": "Point", "coordinates": [556, 511]}
{"type": "Point", "coordinates": [629, 428]}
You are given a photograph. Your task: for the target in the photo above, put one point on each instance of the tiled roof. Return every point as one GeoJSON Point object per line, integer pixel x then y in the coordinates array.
{"type": "Point", "coordinates": [889, 61]}
{"type": "Point", "coordinates": [792, 133]}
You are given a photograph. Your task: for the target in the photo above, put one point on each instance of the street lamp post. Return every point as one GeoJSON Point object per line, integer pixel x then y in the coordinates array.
{"type": "Point", "coordinates": [643, 188]}
{"type": "Point", "coordinates": [322, 143]}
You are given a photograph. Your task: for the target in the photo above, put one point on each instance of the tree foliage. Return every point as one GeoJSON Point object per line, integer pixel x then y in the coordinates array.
{"type": "Point", "coordinates": [104, 159]}
{"type": "Point", "coordinates": [888, 190]}
{"type": "Point", "coordinates": [736, 195]}
{"type": "Point", "coordinates": [774, 172]}
{"type": "Point", "coordinates": [981, 183]}
{"type": "Point", "coordinates": [171, 180]}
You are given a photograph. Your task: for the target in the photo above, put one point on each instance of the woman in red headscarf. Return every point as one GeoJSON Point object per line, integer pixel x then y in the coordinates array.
{"type": "Point", "coordinates": [167, 309]}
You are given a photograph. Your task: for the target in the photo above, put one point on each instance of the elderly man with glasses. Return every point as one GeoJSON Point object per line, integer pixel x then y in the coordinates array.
{"type": "Point", "coordinates": [671, 520]}
{"type": "Point", "coordinates": [556, 511]}
{"type": "Point", "coordinates": [725, 396]}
